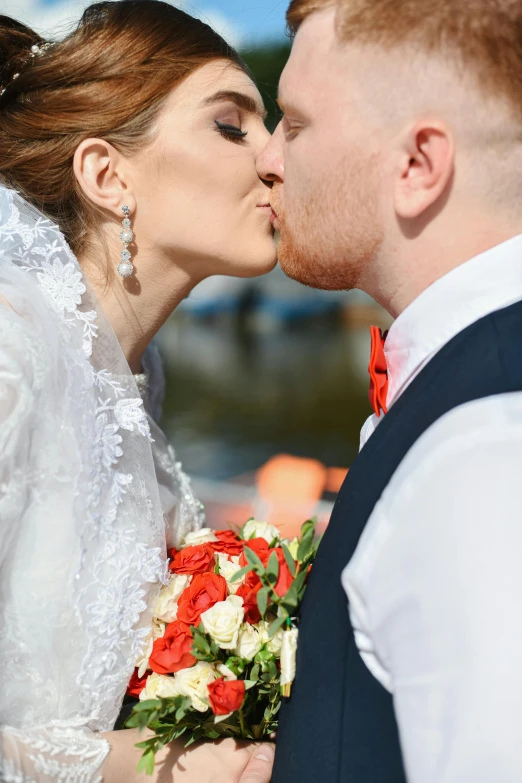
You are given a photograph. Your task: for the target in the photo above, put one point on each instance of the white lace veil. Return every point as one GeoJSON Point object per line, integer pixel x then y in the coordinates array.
{"type": "Point", "coordinates": [82, 532]}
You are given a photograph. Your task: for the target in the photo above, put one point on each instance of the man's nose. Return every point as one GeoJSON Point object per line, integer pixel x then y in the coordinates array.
{"type": "Point", "coordinates": [270, 163]}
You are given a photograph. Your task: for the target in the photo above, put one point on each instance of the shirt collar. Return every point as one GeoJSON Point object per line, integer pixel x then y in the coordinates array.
{"type": "Point", "coordinates": [485, 283]}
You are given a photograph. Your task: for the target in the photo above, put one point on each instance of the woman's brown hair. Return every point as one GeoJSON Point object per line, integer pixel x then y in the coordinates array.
{"type": "Point", "coordinates": [109, 79]}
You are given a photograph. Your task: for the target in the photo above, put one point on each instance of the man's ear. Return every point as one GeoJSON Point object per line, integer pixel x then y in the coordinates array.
{"type": "Point", "coordinates": [426, 168]}
{"type": "Point", "coordinates": [100, 171]}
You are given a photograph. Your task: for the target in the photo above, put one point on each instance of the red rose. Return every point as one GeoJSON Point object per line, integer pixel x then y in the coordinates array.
{"type": "Point", "coordinates": [262, 550]}
{"type": "Point", "coordinates": [228, 542]}
{"type": "Point", "coordinates": [172, 651]}
{"type": "Point", "coordinates": [225, 696]}
{"type": "Point", "coordinates": [204, 591]}
{"type": "Point", "coordinates": [193, 560]}
{"type": "Point", "coordinates": [260, 547]}
{"type": "Point", "coordinates": [284, 578]}
{"type": "Point", "coordinates": [136, 684]}
{"type": "Point", "coordinates": [248, 592]}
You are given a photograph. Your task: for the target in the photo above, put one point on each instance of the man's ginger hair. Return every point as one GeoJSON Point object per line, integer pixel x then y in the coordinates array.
{"type": "Point", "coordinates": [482, 37]}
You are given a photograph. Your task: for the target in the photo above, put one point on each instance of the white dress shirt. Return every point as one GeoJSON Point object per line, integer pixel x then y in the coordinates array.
{"type": "Point", "coordinates": [435, 585]}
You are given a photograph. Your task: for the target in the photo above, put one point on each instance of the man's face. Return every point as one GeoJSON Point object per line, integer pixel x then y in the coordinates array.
{"type": "Point", "coordinates": [327, 199]}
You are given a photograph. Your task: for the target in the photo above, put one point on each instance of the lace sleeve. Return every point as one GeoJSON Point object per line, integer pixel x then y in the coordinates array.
{"type": "Point", "coordinates": [82, 534]}
{"type": "Point", "coordinates": [33, 748]}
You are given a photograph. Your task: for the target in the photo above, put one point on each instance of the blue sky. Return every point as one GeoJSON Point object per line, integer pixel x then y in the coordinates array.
{"type": "Point", "coordinates": [258, 19]}
{"type": "Point", "coordinates": [242, 21]}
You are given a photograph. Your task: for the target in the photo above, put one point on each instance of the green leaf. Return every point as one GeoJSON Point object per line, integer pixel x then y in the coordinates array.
{"type": "Point", "coordinates": [307, 540]}
{"type": "Point", "coordinates": [146, 745]}
{"type": "Point", "coordinates": [241, 529]}
{"type": "Point", "coordinates": [275, 626]}
{"type": "Point", "coordinates": [272, 670]}
{"type": "Point", "coordinates": [254, 674]}
{"type": "Point", "coordinates": [145, 706]}
{"type": "Point", "coordinates": [262, 600]}
{"type": "Point", "coordinates": [146, 763]}
{"type": "Point", "coordinates": [254, 560]}
{"type": "Point", "coordinates": [201, 644]}
{"type": "Point", "coordinates": [180, 713]}
{"type": "Point", "coordinates": [299, 581]}
{"type": "Point", "coordinates": [241, 573]}
{"type": "Point", "coordinates": [291, 599]}
{"type": "Point", "coordinates": [289, 559]}
{"type": "Point", "coordinates": [263, 656]}
{"type": "Point", "coordinates": [272, 570]}
{"type": "Point", "coordinates": [295, 594]}
{"type": "Point", "coordinates": [309, 524]}
{"type": "Point", "coordinates": [235, 664]}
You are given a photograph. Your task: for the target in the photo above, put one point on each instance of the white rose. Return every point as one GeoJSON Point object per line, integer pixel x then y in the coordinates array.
{"type": "Point", "coordinates": [227, 673]}
{"type": "Point", "coordinates": [194, 683]}
{"type": "Point", "coordinates": [157, 630]}
{"type": "Point", "coordinates": [288, 656]}
{"type": "Point", "coordinates": [228, 566]}
{"type": "Point", "coordinates": [255, 529]}
{"type": "Point", "coordinates": [159, 686]}
{"type": "Point", "coordinates": [223, 621]}
{"type": "Point", "coordinates": [272, 645]}
{"type": "Point", "coordinates": [167, 604]}
{"type": "Point", "coordinates": [202, 536]}
{"type": "Point", "coordinates": [249, 642]}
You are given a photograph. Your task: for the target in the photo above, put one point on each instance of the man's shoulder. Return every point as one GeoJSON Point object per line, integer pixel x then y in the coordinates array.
{"type": "Point", "coordinates": [477, 425]}
{"type": "Point", "coordinates": [458, 484]}
{"type": "Point", "coordinates": [473, 447]}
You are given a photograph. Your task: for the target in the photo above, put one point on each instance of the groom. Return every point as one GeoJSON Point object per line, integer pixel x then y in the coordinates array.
{"type": "Point", "coordinates": [397, 169]}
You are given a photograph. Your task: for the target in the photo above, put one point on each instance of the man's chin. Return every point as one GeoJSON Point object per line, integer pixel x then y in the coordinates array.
{"type": "Point", "coordinates": [308, 273]}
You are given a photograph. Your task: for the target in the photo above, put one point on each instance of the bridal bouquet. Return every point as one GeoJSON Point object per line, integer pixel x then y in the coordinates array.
{"type": "Point", "coordinates": [221, 653]}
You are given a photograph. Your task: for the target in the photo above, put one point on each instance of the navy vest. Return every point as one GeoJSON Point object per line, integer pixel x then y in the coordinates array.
{"type": "Point", "coordinates": [339, 724]}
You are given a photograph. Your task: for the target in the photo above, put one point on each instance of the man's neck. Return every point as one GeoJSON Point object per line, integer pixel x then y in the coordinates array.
{"type": "Point", "coordinates": [403, 273]}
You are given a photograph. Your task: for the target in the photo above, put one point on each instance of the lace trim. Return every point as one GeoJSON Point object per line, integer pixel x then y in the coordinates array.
{"type": "Point", "coordinates": [189, 514]}
{"type": "Point", "coordinates": [57, 753]}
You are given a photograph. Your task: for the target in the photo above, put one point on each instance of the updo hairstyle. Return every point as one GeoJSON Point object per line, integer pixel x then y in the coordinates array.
{"type": "Point", "coordinates": [108, 78]}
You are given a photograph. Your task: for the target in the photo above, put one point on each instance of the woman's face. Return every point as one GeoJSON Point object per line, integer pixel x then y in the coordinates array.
{"type": "Point", "coordinates": [199, 199]}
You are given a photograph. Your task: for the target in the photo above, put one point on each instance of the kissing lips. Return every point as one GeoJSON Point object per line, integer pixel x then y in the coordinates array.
{"type": "Point", "coordinates": [274, 219]}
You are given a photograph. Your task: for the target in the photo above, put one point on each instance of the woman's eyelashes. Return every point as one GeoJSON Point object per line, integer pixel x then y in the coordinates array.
{"type": "Point", "coordinates": [230, 132]}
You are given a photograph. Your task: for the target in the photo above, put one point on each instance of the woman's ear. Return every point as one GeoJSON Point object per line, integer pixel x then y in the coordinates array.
{"type": "Point", "coordinates": [427, 166]}
{"type": "Point", "coordinates": [100, 171]}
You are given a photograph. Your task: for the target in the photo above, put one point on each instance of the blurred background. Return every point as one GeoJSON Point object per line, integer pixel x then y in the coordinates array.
{"type": "Point", "coordinates": [266, 380]}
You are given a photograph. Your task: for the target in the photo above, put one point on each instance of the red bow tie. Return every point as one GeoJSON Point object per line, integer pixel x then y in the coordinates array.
{"type": "Point", "coordinates": [378, 370]}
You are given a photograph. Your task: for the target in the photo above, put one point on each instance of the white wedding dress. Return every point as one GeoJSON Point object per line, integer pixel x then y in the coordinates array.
{"type": "Point", "coordinates": [90, 495]}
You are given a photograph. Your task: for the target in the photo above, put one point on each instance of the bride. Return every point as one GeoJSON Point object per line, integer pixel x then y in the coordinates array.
{"type": "Point", "coordinates": [127, 172]}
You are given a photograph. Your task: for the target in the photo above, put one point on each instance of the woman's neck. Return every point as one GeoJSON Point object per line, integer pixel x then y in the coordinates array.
{"type": "Point", "coordinates": [138, 306]}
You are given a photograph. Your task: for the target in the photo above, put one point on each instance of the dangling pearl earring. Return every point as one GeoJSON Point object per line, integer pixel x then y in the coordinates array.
{"type": "Point", "coordinates": [125, 267]}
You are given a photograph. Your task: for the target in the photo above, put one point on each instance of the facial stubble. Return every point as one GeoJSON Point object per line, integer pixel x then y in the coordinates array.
{"type": "Point", "coordinates": [331, 232]}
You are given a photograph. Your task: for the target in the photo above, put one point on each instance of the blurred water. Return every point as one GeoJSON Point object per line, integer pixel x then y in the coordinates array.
{"type": "Point", "coordinates": [236, 397]}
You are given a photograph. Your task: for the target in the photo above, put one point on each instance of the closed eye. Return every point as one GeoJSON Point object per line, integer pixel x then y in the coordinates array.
{"type": "Point", "coordinates": [230, 132]}
{"type": "Point", "coordinates": [290, 129]}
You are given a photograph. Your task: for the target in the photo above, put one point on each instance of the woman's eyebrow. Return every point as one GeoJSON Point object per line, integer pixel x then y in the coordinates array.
{"type": "Point", "coordinates": [243, 101]}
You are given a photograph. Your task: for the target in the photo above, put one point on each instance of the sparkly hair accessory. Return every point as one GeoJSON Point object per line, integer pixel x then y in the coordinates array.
{"type": "Point", "coordinates": [36, 51]}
